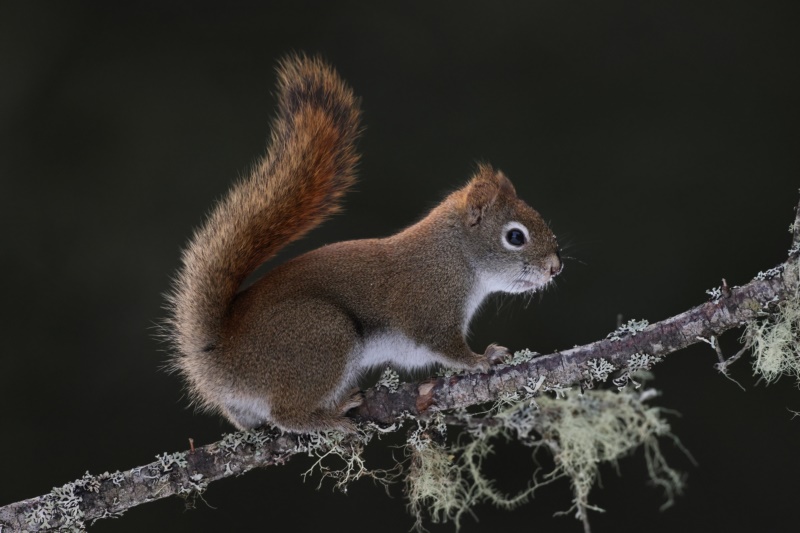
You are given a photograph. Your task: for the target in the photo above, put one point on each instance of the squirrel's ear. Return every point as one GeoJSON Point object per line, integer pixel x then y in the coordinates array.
{"type": "Point", "coordinates": [481, 194]}
{"type": "Point", "coordinates": [483, 190]}
{"type": "Point", "coordinates": [505, 184]}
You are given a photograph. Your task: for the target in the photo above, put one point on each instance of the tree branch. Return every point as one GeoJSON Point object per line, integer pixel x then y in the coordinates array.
{"type": "Point", "coordinates": [188, 473]}
{"type": "Point", "coordinates": [567, 368]}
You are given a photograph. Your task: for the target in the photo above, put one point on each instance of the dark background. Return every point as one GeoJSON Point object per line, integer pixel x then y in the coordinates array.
{"type": "Point", "coordinates": [659, 138]}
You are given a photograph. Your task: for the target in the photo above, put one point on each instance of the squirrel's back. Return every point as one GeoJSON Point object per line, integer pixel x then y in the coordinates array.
{"type": "Point", "coordinates": [309, 165]}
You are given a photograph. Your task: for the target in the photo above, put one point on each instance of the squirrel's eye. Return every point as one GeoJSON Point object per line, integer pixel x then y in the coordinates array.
{"type": "Point", "coordinates": [515, 237]}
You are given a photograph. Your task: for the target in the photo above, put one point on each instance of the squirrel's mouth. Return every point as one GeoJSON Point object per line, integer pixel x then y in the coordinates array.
{"type": "Point", "coordinates": [529, 285]}
{"type": "Point", "coordinates": [532, 282]}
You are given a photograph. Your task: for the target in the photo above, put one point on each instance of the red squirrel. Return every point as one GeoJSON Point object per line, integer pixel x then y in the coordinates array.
{"type": "Point", "coordinates": [288, 350]}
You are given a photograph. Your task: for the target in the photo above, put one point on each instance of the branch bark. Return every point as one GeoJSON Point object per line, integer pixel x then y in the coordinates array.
{"type": "Point", "coordinates": [734, 308]}
{"type": "Point", "coordinates": [188, 473]}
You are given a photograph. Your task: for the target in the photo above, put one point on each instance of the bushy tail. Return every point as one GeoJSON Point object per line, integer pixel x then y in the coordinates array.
{"type": "Point", "coordinates": [308, 167]}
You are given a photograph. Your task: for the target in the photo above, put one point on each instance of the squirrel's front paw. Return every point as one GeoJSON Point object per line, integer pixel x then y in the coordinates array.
{"type": "Point", "coordinates": [493, 355]}
{"type": "Point", "coordinates": [496, 354]}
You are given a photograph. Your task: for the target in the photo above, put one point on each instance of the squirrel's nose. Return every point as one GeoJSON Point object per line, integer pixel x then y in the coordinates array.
{"type": "Point", "coordinates": [556, 266]}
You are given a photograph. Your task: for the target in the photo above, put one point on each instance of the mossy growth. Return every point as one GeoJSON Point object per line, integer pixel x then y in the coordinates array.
{"type": "Point", "coordinates": [339, 457]}
{"type": "Point", "coordinates": [775, 341]}
{"type": "Point", "coordinates": [586, 430]}
{"type": "Point", "coordinates": [437, 485]}
{"type": "Point", "coordinates": [580, 430]}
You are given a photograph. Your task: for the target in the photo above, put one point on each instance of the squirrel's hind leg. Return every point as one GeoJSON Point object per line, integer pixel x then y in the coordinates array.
{"type": "Point", "coordinates": [313, 376]}
{"type": "Point", "coordinates": [317, 420]}
{"type": "Point", "coordinates": [321, 419]}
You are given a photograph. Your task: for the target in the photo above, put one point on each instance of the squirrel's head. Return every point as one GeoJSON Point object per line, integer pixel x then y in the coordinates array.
{"type": "Point", "coordinates": [511, 245]}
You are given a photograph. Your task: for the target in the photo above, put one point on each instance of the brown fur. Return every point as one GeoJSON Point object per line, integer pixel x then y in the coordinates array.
{"type": "Point", "coordinates": [288, 349]}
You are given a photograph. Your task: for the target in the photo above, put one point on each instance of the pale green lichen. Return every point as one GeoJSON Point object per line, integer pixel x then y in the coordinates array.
{"type": "Point", "coordinates": [436, 484]}
{"type": "Point", "coordinates": [389, 379]}
{"type": "Point", "coordinates": [526, 393]}
{"type": "Point", "coordinates": [558, 391]}
{"type": "Point", "coordinates": [715, 294]}
{"type": "Point", "coordinates": [521, 356]}
{"type": "Point", "coordinates": [340, 458]}
{"type": "Point", "coordinates": [632, 327]}
{"type": "Point", "coordinates": [585, 430]}
{"type": "Point", "coordinates": [257, 438]}
{"type": "Point", "coordinates": [61, 508]}
{"type": "Point", "coordinates": [446, 481]}
{"type": "Point", "coordinates": [769, 273]}
{"type": "Point", "coordinates": [582, 431]}
{"type": "Point", "coordinates": [642, 361]}
{"type": "Point", "coordinates": [598, 369]}
{"type": "Point", "coordinates": [775, 342]}
{"type": "Point", "coordinates": [116, 478]}
{"type": "Point", "coordinates": [638, 363]}
{"type": "Point", "coordinates": [167, 461]}
{"type": "Point", "coordinates": [193, 489]}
